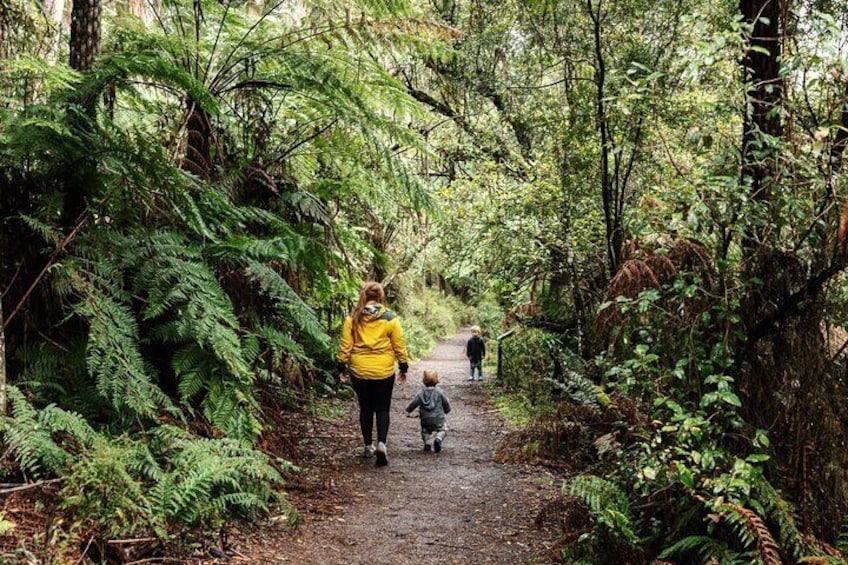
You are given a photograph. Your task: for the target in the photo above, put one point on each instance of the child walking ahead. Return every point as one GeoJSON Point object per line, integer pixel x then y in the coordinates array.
{"type": "Point", "coordinates": [432, 406]}
{"type": "Point", "coordinates": [475, 350]}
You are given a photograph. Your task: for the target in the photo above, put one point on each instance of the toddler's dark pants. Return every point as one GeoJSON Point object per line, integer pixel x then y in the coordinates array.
{"type": "Point", "coordinates": [375, 398]}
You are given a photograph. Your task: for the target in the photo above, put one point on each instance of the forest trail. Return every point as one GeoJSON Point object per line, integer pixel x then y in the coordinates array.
{"type": "Point", "coordinates": [457, 506]}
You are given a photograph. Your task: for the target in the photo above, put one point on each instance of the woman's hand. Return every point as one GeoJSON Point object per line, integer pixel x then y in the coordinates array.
{"type": "Point", "coordinates": [343, 377]}
{"type": "Point", "coordinates": [401, 378]}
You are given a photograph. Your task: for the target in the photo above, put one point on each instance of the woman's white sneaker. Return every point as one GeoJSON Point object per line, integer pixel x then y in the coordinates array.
{"type": "Point", "coordinates": [368, 451]}
{"type": "Point", "coordinates": [380, 452]}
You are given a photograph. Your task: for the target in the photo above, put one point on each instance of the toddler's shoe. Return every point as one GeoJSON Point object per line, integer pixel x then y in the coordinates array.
{"type": "Point", "coordinates": [427, 447]}
{"type": "Point", "coordinates": [437, 445]}
{"type": "Point", "coordinates": [380, 452]}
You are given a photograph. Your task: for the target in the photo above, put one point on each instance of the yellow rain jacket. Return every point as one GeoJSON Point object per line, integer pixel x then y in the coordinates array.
{"type": "Point", "coordinates": [378, 342]}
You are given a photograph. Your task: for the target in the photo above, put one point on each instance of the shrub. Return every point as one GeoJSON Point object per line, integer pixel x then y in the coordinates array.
{"type": "Point", "coordinates": [164, 481]}
{"type": "Point", "coordinates": [527, 359]}
{"type": "Point", "coordinates": [427, 316]}
{"type": "Point", "coordinates": [487, 314]}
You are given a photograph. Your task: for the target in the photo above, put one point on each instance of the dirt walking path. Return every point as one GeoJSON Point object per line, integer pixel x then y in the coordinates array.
{"type": "Point", "coordinates": [457, 506]}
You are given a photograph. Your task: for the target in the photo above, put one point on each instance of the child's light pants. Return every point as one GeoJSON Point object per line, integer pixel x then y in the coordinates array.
{"type": "Point", "coordinates": [427, 431]}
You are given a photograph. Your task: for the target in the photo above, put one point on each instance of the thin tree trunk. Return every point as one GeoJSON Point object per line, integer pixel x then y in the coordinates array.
{"type": "Point", "coordinates": [2, 361]}
{"type": "Point", "coordinates": [54, 12]}
{"type": "Point", "coordinates": [612, 222]}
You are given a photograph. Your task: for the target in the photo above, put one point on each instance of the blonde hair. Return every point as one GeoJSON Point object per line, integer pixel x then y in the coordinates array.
{"type": "Point", "coordinates": [431, 378]}
{"type": "Point", "coordinates": [371, 292]}
{"type": "Point", "coordinates": [475, 330]}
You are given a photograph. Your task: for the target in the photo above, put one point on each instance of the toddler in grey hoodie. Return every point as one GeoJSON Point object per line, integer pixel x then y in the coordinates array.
{"type": "Point", "coordinates": [432, 406]}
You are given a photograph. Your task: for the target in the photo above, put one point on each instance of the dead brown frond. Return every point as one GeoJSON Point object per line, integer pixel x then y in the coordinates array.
{"type": "Point", "coordinates": [657, 268]}
{"type": "Point", "coordinates": [566, 514]}
{"type": "Point", "coordinates": [823, 548]}
{"type": "Point", "coordinates": [767, 547]}
{"type": "Point", "coordinates": [633, 277]}
{"type": "Point", "coordinates": [691, 257]}
{"type": "Point", "coordinates": [418, 28]}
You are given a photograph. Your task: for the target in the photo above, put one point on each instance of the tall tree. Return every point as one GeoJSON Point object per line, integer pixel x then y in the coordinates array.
{"type": "Point", "coordinates": [761, 67]}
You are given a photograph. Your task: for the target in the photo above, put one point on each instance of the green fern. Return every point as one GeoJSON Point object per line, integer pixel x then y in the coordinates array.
{"type": "Point", "coordinates": [577, 388]}
{"type": "Point", "coordinates": [298, 313]}
{"type": "Point", "coordinates": [115, 361]}
{"type": "Point", "coordinates": [704, 547]}
{"type": "Point", "coordinates": [607, 504]}
{"type": "Point", "coordinates": [167, 480]}
{"type": "Point", "coordinates": [29, 435]}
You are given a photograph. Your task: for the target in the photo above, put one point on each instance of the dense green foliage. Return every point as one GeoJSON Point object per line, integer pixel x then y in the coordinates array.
{"type": "Point", "coordinates": [651, 192]}
{"type": "Point", "coordinates": [182, 228]}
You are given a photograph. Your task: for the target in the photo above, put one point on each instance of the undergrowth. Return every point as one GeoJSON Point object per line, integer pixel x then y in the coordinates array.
{"type": "Point", "coordinates": [427, 315]}
{"type": "Point", "coordinates": [663, 464]}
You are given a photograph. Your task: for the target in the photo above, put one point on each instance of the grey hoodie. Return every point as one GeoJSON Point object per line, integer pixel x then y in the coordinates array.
{"type": "Point", "coordinates": [432, 406]}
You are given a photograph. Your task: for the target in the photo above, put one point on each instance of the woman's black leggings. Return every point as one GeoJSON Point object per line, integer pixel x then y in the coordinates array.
{"type": "Point", "coordinates": [375, 397]}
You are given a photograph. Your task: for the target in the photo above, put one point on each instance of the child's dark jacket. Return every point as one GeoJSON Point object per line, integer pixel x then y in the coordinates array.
{"type": "Point", "coordinates": [475, 349]}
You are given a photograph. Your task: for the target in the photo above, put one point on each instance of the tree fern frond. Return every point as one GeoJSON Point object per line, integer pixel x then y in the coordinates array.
{"type": "Point", "coordinates": [578, 388]}
{"type": "Point", "coordinates": [115, 361]}
{"type": "Point", "coordinates": [298, 312]}
{"type": "Point", "coordinates": [279, 341]}
{"type": "Point", "coordinates": [46, 231]}
{"type": "Point", "coordinates": [750, 529]}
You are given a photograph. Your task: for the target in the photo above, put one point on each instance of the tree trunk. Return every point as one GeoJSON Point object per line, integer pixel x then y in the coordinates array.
{"type": "Point", "coordinates": [85, 33]}
{"type": "Point", "coordinates": [2, 361]}
{"type": "Point", "coordinates": [198, 150]}
{"type": "Point", "coordinates": [54, 12]}
{"type": "Point", "coordinates": [787, 382]}
{"type": "Point", "coordinates": [761, 68]}
{"type": "Point", "coordinates": [84, 48]}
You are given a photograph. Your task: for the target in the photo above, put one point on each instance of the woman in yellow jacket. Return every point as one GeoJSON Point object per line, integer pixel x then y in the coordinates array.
{"type": "Point", "coordinates": [372, 339]}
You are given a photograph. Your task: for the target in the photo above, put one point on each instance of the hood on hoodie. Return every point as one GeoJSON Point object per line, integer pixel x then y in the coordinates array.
{"type": "Point", "coordinates": [428, 399]}
{"type": "Point", "coordinates": [373, 311]}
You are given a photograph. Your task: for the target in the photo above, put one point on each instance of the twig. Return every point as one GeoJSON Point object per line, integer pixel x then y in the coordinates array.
{"type": "Point", "coordinates": [27, 486]}
{"type": "Point", "coordinates": [838, 353]}
{"type": "Point", "coordinates": [130, 541]}
{"type": "Point", "coordinates": [85, 551]}
{"type": "Point", "coordinates": [80, 223]}
{"type": "Point", "coordinates": [158, 560]}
